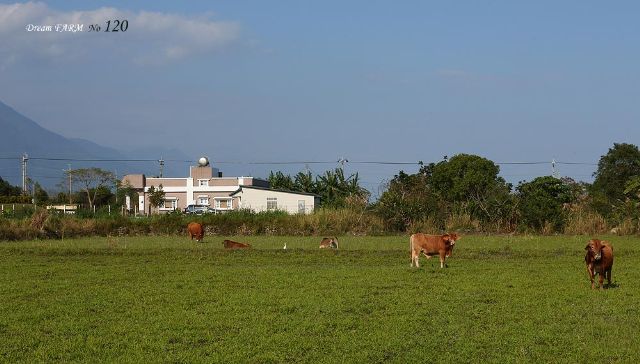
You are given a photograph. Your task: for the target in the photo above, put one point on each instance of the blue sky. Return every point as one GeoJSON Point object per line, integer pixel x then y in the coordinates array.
{"type": "Point", "coordinates": [403, 81]}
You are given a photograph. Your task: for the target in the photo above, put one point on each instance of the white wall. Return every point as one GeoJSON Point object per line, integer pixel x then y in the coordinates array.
{"type": "Point", "coordinates": [256, 199]}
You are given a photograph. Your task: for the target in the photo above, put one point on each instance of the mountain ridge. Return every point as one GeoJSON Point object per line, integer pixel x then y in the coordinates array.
{"type": "Point", "coordinates": [50, 153]}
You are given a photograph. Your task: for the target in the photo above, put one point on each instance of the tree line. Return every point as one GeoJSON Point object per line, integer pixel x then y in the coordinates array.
{"type": "Point", "coordinates": [463, 192]}
{"type": "Point", "coordinates": [466, 192]}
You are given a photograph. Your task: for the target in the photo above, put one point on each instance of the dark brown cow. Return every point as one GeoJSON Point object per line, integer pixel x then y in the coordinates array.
{"type": "Point", "coordinates": [599, 259]}
{"type": "Point", "coordinates": [230, 244]}
{"type": "Point", "coordinates": [329, 243]}
{"type": "Point", "coordinates": [431, 245]}
{"type": "Point", "coordinates": [195, 231]}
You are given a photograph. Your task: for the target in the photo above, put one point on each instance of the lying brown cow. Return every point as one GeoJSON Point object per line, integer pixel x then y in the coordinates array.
{"type": "Point", "coordinates": [599, 259]}
{"type": "Point", "coordinates": [329, 243]}
{"type": "Point", "coordinates": [195, 230]}
{"type": "Point", "coordinates": [230, 244]}
{"type": "Point", "coordinates": [431, 245]}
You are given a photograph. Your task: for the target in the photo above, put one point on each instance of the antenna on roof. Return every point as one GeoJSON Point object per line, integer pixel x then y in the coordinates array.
{"type": "Point", "coordinates": [161, 166]}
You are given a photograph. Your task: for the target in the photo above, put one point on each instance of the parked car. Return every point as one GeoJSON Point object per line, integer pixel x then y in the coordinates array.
{"type": "Point", "coordinates": [198, 209]}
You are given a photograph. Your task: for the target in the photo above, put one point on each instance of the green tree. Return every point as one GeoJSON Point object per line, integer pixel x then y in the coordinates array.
{"type": "Point", "coordinates": [125, 190]}
{"type": "Point", "coordinates": [6, 189]}
{"type": "Point", "coordinates": [541, 202]}
{"type": "Point", "coordinates": [156, 197]}
{"type": "Point", "coordinates": [615, 169]}
{"type": "Point", "coordinates": [408, 198]}
{"type": "Point", "coordinates": [334, 188]}
{"type": "Point", "coordinates": [104, 196]}
{"type": "Point", "coordinates": [304, 182]}
{"type": "Point", "coordinates": [90, 180]}
{"type": "Point", "coordinates": [470, 183]}
{"type": "Point", "coordinates": [280, 181]}
{"type": "Point", "coordinates": [40, 196]}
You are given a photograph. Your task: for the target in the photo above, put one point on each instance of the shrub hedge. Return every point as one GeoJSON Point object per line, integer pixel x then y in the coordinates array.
{"type": "Point", "coordinates": [43, 224]}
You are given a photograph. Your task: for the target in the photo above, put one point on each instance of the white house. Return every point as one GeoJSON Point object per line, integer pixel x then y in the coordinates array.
{"type": "Point", "coordinates": [265, 199]}
{"type": "Point", "coordinates": [206, 186]}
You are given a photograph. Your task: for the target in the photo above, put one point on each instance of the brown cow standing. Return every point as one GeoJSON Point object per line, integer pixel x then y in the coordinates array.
{"type": "Point", "coordinates": [599, 259]}
{"type": "Point", "coordinates": [195, 231]}
{"type": "Point", "coordinates": [431, 245]}
{"type": "Point", "coordinates": [230, 244]}
{"type": "Point", "coordinates": [329, 243]}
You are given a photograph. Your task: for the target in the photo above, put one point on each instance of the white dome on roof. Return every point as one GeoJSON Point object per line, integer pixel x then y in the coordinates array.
{"type": "Point", "coordinates": [203, 161]}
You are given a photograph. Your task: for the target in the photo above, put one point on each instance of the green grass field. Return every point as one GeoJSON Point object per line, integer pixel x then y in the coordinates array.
{"type": "Point", "coordinates": [167, 299]}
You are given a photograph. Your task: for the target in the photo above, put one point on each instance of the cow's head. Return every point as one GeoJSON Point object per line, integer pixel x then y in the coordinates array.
{"type": "Point", "coordinates": [594, 249]}
{"type": "Point", "coordinates": [450, 239]}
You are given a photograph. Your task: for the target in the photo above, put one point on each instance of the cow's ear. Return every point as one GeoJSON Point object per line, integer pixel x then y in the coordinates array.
{"type": "Point", "coordinates": [586, 247]}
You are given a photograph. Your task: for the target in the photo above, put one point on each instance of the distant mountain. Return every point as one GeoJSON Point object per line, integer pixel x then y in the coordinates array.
{"type": "Point", "coordinates": [48, 153]}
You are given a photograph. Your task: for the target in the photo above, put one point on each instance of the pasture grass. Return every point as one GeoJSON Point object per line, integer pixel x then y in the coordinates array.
{"type": "Point", "coordinates": [167, 299]}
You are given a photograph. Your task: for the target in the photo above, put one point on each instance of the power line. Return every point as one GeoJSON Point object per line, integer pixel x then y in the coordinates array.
{"type": "Point", "coordinates": [288, 162]}
{"type": "Point", "coordinates": [92, 160]}
{"type": "Point", "coordinates": [270, 162]}
{"type": "Point", "coordinates": [385, 163]}
{"type": "Point", "coordinates": [579, 163]}
{"type": "Point", "coordinates": [523, 163]}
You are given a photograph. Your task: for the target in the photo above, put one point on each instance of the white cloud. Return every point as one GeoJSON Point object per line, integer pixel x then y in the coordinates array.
{"type": "Point", "coordinates": [151, 37]}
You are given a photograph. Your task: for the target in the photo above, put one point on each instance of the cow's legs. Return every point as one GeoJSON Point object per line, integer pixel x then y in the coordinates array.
{"type": "Point", "coordinates": [601, 279]}
{"type": "Point", "coordinates": [442, 258]}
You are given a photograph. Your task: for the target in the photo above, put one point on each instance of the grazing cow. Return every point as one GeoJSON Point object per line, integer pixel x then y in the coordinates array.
{"type": "Point", "coordinates": [230, 244]}
{"type": "Point", "coordinates": [599, 259]}
{"type": "Point", "coordinates": [195, 231]}
{"type": "Point", "coordinates": [431, 245]}
{"type": "Point", "coordinates": [329, 243]}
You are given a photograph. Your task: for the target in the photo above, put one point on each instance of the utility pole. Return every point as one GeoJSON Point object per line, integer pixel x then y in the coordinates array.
{"type": "Point", "coordinates": [69, 173]}
{"type": "Point", "coordinates": [115, 181]}
{"type": "Point", "coordinates": [554, 171]}
{"type": "Point", "coordinates": [342, 161]}
{"type": "Point", "coordinates": [161, 166]}
{"type": "Point", "coordinates": [25, 158]}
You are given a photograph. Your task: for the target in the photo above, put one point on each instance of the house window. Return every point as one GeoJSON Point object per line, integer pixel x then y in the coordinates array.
{"type": "Point", "coordinates": [171, 204]}
{"type": "Point", "coordinates": [203, 182]}
{"type": "Point", "coordinates": [272, 203]}
{"type": "Point", "coordinates": [223, 204]}
{"type": "Point", "coordinates": [203, 200]}
{"type": "Point", "coordinates": [301, 207]}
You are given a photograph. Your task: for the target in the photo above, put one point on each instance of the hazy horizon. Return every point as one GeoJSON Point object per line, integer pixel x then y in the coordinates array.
{"type": "Point", "coordinates": [366, 81]}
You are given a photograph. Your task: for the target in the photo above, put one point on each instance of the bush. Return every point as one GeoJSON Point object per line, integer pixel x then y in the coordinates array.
{"type": "Point", "coordinates": [15, 199]}
{"type": "Point", "coordinates": [581, 220]}
{"type": "Point", "coordinates": [541, 204]}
